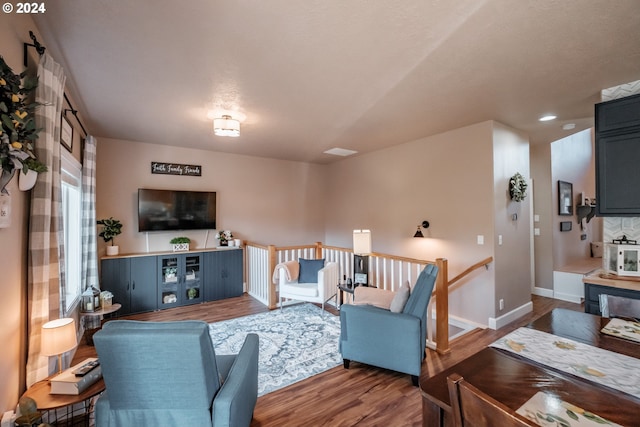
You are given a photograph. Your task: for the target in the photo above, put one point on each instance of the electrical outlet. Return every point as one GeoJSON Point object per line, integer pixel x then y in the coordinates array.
{"type": "Point", "coordinates": [499, 239]}
{"type": "Point", "coordinates": [583, 237]}
{"type": "Point", "coordinates": [501, 304]}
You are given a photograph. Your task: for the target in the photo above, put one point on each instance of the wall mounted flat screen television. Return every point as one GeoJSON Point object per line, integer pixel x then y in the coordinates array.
{"type": "Point", "coordinates": [160, 210]}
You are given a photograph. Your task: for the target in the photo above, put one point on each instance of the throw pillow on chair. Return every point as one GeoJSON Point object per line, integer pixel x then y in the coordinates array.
{"type": "Point", "coordinates": [309, 270]}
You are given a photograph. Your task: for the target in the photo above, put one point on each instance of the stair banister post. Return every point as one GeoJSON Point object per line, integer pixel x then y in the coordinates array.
{"type": "Point", "coordinates": [442, 307]}
{"type": "Point", "coordinates": [273, 300]}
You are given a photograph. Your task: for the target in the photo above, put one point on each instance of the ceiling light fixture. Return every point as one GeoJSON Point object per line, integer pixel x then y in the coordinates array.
{"type": "Point", "coordinates": [547, 117]}
{"type": "Point", "coordinates": [226, 126]}
{"type": "Point", "coordinates": [340, 152]}
{"type": "Point", "coordinates": [569, 126]}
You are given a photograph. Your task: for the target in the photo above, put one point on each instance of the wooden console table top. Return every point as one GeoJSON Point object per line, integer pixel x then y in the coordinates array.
{"type": "Point", "coordinates": [599, 277]}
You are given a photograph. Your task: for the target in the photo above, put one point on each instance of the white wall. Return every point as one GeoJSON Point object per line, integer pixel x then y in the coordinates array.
{"type": "Point", "coordinates": [513, 255]}
{"type": "Point", "coordinates": [572, 160]}
{"type": "Point", "coordinates": [263, 200]}
{"type": "Point", "coordinates": [14, 30]}
{"type": "Point", "coordinates": [446, 179]}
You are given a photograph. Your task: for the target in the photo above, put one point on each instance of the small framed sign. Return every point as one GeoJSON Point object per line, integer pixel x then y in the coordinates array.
{"type": "Point", "coordinates": [66, 134]}
{"type": "Point", "coordinates": [565, 226]}
{"type": "Point", "coordinates": [176, 169]}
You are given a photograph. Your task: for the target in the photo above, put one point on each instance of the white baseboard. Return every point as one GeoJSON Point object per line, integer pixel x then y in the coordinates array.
{"type": "Point", "coordinates": [568, 297]}
{"type": "Point", "coordinates": [542, 292]}
{"type": "Point", "coordinates": [497, 323]}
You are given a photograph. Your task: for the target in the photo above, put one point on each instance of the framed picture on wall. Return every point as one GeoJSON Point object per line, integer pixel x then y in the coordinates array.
{"type": "Point", "coordinates": [66, 134]}
{"type": "Point", "coordinates": [565, 198]}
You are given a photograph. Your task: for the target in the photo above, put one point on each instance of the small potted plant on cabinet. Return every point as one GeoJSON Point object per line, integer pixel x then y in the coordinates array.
{"type": "Point", "coordinates": [180, 243]}
{"type": "Point", "coordinates": [110, 229]}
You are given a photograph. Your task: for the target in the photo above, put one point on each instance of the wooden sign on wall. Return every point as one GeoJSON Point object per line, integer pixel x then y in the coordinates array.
{"type": "Point", "coordinates": [176, 169]}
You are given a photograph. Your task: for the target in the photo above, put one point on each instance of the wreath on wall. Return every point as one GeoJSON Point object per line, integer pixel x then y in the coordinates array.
{"type": "Point", "coordinates": [517, 187]}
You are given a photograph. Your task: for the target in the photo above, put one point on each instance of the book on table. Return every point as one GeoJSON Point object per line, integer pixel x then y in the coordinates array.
{"type": "Point", "coordinates": [67, 382]}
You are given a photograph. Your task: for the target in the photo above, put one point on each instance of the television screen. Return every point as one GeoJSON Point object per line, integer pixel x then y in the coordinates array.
{"type": "Point", "coordinates": [176, 210]}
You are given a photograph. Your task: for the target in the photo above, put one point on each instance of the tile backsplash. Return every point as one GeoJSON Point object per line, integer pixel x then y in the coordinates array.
{"type": "Point", "coordinates": [616, 227]}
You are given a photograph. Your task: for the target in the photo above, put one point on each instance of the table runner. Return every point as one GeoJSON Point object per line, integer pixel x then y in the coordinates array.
{"type": "Point", "coordinates": [592, 363]}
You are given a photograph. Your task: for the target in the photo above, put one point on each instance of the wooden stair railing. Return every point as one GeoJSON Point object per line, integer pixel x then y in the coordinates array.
{"type": "Point", "coordinates": [441, 292]}
{"type": "Point", "coordinates": [443, 287]}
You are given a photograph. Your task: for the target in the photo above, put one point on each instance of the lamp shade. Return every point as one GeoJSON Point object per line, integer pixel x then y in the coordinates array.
{"type": "Point", "coordinates": [226, 126]}
{"type": "Point", "coordinates": [58, 336]}
{"type": "Point", "coordinates": [361, 242]}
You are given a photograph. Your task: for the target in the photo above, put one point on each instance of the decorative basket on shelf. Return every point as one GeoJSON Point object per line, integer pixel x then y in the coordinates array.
{"type": "Point", "coordinates": [180, 244]}
{"type": "Point", "coordinates": [179, 247]}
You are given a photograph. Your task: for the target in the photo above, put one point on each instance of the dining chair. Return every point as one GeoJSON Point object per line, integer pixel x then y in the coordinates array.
{"type": "Point", "coordinates": [473, 408]}
{"type": "Point", "coordinates": [615, 306]}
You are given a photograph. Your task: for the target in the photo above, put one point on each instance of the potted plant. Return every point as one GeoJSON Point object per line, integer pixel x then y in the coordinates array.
{"type": "Point", "coordinates": [224, 236]}
{"type": "Point", "coordinates": [180, 243]}
{"type": "Point", "coordinates": [18, 130]}
{"type": "Point", "coordinates": [110, 229]}
{"type": "Point", "coordinates": [30, 170]}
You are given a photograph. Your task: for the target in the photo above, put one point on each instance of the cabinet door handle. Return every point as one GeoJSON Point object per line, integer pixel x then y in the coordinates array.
{"type": "Point", "coordinates": [134, 286]}
{"type": "Point", "coordinates": [128, 285]}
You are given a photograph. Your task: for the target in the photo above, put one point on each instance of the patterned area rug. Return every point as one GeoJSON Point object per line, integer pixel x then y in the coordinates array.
{"type": "Point", "coordinates": [295, 343]}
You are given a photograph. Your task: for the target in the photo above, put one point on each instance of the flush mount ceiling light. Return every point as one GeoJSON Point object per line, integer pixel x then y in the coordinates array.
{"type": "Point", "coordinates": [340, 152]}
{"type": "Point", "coordinates": [226, 126]}
{"type": "Point", "coordinates": [547, 117]}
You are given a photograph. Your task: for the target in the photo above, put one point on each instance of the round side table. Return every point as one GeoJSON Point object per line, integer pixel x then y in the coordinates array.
{"type": "Point", "coordinates": [92, 320]}
{"type": "Point", "coordinates": [65, 409]}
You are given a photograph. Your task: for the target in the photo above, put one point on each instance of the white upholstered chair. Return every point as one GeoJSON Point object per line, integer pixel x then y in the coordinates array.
{"type": "Point", "coordinates": [301, 284]}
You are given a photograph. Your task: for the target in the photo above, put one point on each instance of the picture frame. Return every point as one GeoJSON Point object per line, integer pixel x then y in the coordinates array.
{"type": "Point", "coordinates": [66, 134]}
{"type": "Point", "coordinates": [565, 198]}
{"type": "Point", "coordinates": [565, 226]}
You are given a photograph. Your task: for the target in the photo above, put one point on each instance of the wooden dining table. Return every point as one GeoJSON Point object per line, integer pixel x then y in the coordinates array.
{"type": "Point", "coordinates": [513, 379]}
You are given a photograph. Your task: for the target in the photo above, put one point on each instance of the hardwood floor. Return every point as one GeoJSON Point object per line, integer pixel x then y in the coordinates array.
{"type": "Point", "coordinates": [359, 396]}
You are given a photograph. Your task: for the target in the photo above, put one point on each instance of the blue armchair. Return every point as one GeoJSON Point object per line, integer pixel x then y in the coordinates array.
{"type": "Point", "coordinates": [167, 374]}
{"type": "Point", "coordinates": [395, 341]}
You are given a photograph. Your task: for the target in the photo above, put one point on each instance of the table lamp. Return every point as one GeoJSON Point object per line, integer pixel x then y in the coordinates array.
{"type": "Point", "coordinates": [361, 251]}
{"type": "Point", "coordinates": [58, 337]}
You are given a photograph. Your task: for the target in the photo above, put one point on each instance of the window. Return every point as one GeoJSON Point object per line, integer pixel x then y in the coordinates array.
{"type": "Point", "coordinates": [71, 176]}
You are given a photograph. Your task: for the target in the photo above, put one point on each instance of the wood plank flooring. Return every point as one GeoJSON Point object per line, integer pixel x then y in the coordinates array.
{"type": "Point", "coordinates": [360, 396]}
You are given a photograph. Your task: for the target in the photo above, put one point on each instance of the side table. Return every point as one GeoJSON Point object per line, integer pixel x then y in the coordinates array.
{"type": "Point", "coordinates": [92, 320]}
{"type": "Point", "coordinates": [349, 289]}
{"type": "Point", "coordinates": [65, 410]}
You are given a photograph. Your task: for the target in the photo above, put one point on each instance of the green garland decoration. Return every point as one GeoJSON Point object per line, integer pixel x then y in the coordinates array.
{"type": "Point", "coordinates": [517, 187]}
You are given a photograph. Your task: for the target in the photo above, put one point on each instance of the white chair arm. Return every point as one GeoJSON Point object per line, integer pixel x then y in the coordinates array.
{"type": "Point", "coordinates": [328, 280]}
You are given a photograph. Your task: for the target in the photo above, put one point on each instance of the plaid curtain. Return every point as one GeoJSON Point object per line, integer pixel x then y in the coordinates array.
{"type": "Point", "coordinates": [45, 227]}
{"type": "Point", "coordinates": [89, 246]}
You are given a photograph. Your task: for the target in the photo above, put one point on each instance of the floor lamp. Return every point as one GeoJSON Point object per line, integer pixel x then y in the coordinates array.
{"type": "Point", "coordinates": [58, 337]}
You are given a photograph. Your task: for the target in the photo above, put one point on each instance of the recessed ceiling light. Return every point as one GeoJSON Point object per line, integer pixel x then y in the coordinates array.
{"type": "Point", "coordinates": [568, 126]}
{"type": "Point", "coordinates": [340, 152]}
{"type": "Point", "coordinates": [547, 118]}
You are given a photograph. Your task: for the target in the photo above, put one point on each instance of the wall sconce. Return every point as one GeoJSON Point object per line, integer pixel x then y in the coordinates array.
{"type": "Point", "coordinates": [57, 337]}
{"type": "Point", "coordinates": [361, 251]}
{"type": "Point", "coordinates": [425, 225]}
{"type": "Point", "coordinates": [226, 126]}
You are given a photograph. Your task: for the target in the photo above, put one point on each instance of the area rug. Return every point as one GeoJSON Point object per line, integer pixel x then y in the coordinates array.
{"type": "Point", "coordinates": [295, 343]}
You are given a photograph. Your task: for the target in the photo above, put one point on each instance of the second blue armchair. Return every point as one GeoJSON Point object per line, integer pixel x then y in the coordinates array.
{"type": "Point", "coordinates": [395, 341]}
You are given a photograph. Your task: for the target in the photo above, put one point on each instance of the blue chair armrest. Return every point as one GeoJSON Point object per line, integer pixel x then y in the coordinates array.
{"type": "Point", "coordinates": [234, 404]}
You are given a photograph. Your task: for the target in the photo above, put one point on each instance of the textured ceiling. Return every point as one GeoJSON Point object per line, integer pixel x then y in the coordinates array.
{"type": "Point", "coordinates": [307, 76]}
